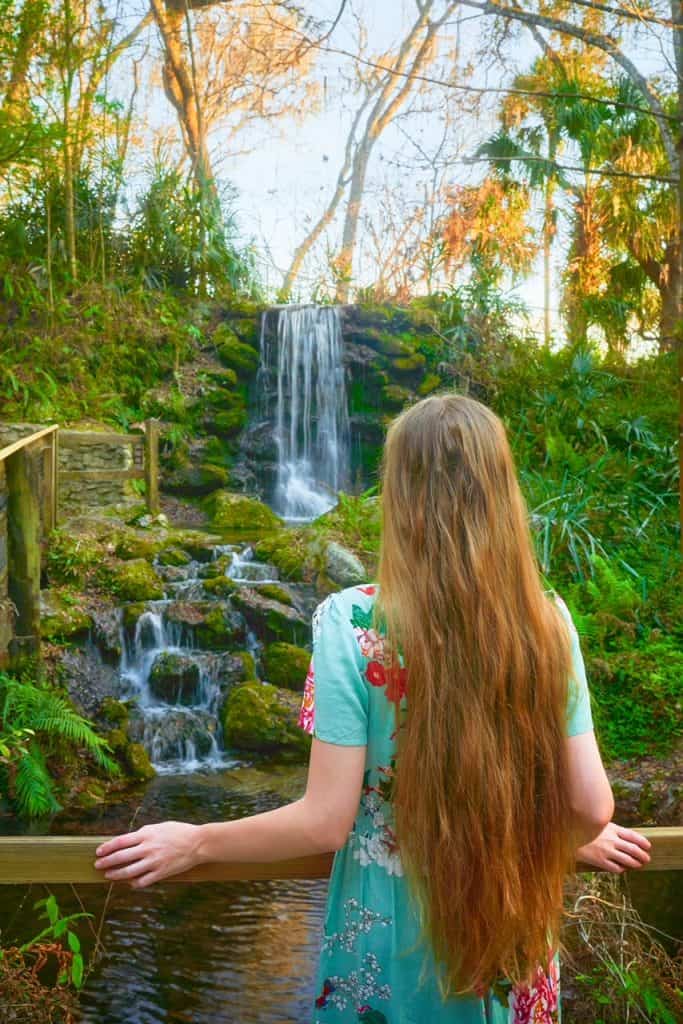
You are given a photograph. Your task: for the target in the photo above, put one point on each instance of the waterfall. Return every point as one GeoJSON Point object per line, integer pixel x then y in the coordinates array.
{"type": "Point", "coordinates": [302, 376]}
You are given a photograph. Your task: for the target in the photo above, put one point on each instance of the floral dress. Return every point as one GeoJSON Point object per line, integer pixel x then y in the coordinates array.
{"type": "Point", "coordinates": [373, 967]}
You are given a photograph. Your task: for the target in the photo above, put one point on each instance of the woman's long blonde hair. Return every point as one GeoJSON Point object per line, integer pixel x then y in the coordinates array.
{"type": "Point", "coordinates": [481, 791]}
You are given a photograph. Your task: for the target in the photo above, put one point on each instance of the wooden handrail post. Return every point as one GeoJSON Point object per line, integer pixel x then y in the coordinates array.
{"type": "Point", "coordinates": [152, 465]}
{"type": "Point", "coordinates": [54, 477]}
{"type": "Point", "coordinates": [23, 536]}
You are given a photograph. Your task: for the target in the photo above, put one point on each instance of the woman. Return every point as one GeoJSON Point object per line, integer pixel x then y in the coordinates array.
{"type": "Point", "coordinates": [453, 766]}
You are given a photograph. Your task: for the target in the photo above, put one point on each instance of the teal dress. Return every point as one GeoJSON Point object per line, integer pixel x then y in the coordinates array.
{"type": "Point", "coordinates": [373, 968]}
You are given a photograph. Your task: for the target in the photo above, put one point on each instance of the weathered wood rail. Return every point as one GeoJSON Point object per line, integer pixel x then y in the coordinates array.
{"type": "Point", "coordinates": [56, 860]}
{"type": "Point", "coordinates": [30, 475]}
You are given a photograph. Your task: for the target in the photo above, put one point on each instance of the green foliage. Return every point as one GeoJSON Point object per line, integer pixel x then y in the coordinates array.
{"type": "Point", "coordinates": [47, 724]}
{"type": "Point", "coordinates": [355, 523]}
{"type": "Point", "coordinates": [59, 928]}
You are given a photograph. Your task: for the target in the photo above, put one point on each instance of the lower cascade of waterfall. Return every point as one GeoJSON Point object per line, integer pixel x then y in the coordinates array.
{"type": "Point", "coordinates": [302, 388]}
{"type": "Point", "coordinates": [179, 688]}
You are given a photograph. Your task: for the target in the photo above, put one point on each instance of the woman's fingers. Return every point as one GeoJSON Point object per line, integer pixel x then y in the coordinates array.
{"type": "Point", "coordinates": [614, 867]}
{"type": "Point", "coordinates": [636, 852]}
{"type": "Point", "coordinates": [631, 836]}
{"type": "Point", "coordinates": [120, 857]}
{"type": "Point", "coordinates": [119, 843]}
{"type": "Point", "coordinates": [625, 858]}
{"type": "Point", "coordinates": [137, 868]}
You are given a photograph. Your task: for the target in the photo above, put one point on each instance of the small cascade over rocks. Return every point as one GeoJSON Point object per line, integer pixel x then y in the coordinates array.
{"type": "Point", "coordinates": [302, 393]}
{"type": "Point", "coordinates": [178, 687]}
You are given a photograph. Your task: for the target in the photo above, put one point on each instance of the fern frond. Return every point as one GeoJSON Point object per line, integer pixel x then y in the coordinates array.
{"type": "Point", "coordinates": [33, 785]}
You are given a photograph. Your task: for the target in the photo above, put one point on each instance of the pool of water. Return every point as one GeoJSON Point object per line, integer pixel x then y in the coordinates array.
{"type": "Point", "coordinates": [206, 953]}
{"type": "Point", "coordinates": [216, 953]}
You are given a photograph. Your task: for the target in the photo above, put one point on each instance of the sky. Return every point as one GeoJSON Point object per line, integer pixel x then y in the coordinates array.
{"type": "Point", "coordinates": [288, 175]}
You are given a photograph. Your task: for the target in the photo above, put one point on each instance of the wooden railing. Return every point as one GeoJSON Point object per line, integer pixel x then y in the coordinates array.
{"type": "Point", "coordinates": [70, 859]}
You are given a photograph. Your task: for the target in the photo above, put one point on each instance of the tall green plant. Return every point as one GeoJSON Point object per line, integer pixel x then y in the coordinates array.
{"type": "Point", "coordinates": [52, 724]}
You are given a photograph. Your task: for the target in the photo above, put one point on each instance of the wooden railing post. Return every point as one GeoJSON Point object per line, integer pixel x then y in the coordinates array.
{"type": "Point", "coordinates": [23, 536]}
{"type": "Point", "coordinates": [152, 465]}
{"type": "Point", "coordinates": [54, 478]}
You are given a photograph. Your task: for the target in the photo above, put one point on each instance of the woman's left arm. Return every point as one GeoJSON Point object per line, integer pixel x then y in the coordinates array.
{"type": "Point", "coordinates": [317, 823]}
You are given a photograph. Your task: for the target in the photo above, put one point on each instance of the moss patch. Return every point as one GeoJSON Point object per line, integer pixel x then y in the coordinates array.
{"type": "Point", "coordinates": [219, 586]}
{"type": "Point", "coordinates": [286, 550]}
{"type": "Point", "coordinates": [236, 512]}
{"type": "Point", "coordinates": [286, 665]}
{"type": "Point", "coordinates": [263, 718]}
{"type": "Point", "coordinates": [135, 580]}
{"type": "Point", "coordinates": [243, 359]}
{"type": "Point", "coordinates": [275, 593]}
{"type": "Point", "coordinates": [64, 618]}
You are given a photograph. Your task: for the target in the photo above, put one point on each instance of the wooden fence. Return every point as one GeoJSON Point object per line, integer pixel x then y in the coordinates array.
{"type": "Point", "coordinates": [57, 860]}
{"type": "Point", "coordinates": [29, 493]}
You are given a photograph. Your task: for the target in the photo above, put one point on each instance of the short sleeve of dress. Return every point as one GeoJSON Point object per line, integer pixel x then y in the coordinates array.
{"type": "Point", "coordinates": [579, 716]}
{"type": "Point", "coordinates": [335, 703]}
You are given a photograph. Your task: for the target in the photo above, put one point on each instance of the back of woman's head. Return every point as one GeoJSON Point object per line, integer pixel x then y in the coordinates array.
{"type": "Point", "coordinates": [480, 793]}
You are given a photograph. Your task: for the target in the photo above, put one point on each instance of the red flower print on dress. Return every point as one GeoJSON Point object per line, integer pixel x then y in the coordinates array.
{"type": "Point", "coordinates": [369, 590]}
{"type": "Point", "coordinates": [538, 1004]}
{"type": "Point", "coordinates": [393, 681]}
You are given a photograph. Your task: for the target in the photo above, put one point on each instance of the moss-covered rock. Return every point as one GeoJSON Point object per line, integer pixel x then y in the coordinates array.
{"type": "Point", "coordinates": [271, 620]}
{"type": "Point", "coordinates": [220, 629]}
{"type": "Point", "coordinates": [386, 343]}
{"type": "Point", "coordinates": [410, 364]}
{"type": "Point", "coordinates": [174, 556]}
{"type": "Point", "coordinates": [218, 567]}
{"type": "Point", "coordinates": [286, 665]}
{"type": "Point", "coordinates": [248, 664]}
{"type": "Point", "coordinates": [219, 586]}
{"type": "Point", "coordinates": [286, 550]}
{"type": "Point", "coordinates": [243, 359]}
{"type": "Point", "coordinates": [191, 479]}
{"type": "Point", "coordinates": [430, 383]}
{"type": "Point", "coordinates": [262, 718]}
{"type": "Point", "coordinates": [132, 545]}
{"type": "Point", "coordinates": [135, 580]}
{"type": "Point", "coordinates": [229, 422]}
{"type": "Point", "coordinates": [62, 616]}
{"type": "Point", "coordinates": [131, 613]}
{"type": "Point", "coordinates": [237, 512]}
{"type": "Point", "coordinates": [395, 397]}
{"type": "Point", "coordinates": [138, 762]}
{"type": "Point", "coordinates": [113, 710]}
{"type": "Point", "coordinates": [275, 592]}
{"type": "Point", "coordinates": [174, 678]}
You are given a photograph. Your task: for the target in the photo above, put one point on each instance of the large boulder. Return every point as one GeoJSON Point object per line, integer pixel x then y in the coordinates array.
{"type": "Point", "coordinates": [271, 620]}
{"type": "Point", "coordinates": [237, 512]}
{"type": "Point", "coordinates": [174, 678]}
{"type": "Point", "coordinates": [135, 580]}
{"type": "Point", "coordinates": [343, 567]}
{"type": "Point", "coordinates": [286, 665]}
{"type": "Point", "coordinates": [262, 718]}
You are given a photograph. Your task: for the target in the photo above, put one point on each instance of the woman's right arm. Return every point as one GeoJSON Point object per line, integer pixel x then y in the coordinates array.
{"type": "Point", "coordinates": [590, 794]}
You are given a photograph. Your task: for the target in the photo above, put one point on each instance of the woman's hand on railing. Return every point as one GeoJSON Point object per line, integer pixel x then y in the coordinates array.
{"type": "Point", "coordinates": [616, 849]}
{"type": "Point", "coordinates": [149, 854]}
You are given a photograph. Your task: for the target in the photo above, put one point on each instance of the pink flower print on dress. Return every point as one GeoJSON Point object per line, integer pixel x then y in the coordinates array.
{"type": "Point", "coordinates": [306, 718]}
{"type": "Point", "coordinates": [371, 644]}
{"type": "Point", "coordinates": [538, 1004]}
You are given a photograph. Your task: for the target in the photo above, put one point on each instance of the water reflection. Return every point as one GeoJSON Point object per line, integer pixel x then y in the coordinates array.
{"type": "Point", "coordinates": [217, 953]}
{"type": "Point", "coordinates": [203, 953]}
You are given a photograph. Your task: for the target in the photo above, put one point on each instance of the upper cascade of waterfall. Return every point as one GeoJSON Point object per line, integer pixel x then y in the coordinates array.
{"type": "Point", "coordinates": [302, 389]}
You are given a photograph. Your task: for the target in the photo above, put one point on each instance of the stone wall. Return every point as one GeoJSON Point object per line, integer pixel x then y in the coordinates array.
{"type": "Point", "coordinates": [78, 495]}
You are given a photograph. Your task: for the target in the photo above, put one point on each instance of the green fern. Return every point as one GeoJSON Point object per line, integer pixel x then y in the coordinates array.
{"type": "Point", "coordinates": [48, 714]}
{"type": "Point", "coordinates": [50, 718]}
{"type": "Point", "coordinates": [34, 795]}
